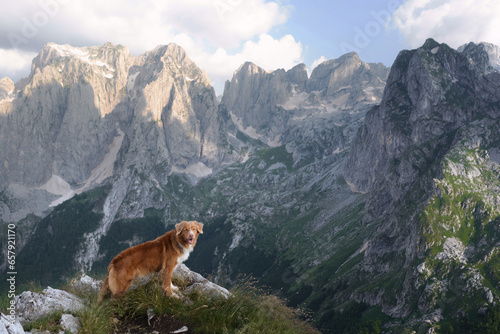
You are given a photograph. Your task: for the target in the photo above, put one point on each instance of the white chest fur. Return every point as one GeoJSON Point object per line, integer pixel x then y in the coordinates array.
{"type": "Point", "coordinates": [184, 255]}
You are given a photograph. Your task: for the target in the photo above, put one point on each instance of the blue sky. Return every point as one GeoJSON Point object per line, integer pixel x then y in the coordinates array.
{"type": "Point", "coordinates": [330, 28]}
{"type": "Point", "coordinates": [220, 35]}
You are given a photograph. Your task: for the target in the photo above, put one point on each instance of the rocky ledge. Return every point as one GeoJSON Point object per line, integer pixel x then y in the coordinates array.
{"type": "Point", "coordinates": [31, 306]}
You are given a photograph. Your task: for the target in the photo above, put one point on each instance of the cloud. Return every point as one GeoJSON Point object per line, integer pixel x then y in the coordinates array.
{"type": "Point", "coordinates": [218, 35]}
{"type": "Point", "coordinates": [141, 25]}
{"type": "Point", "coordinates": [267, 52]}
{"type": "Point", "coordinates": [225, 23]}
{"type": "Point", "coordinates": [454, 22]}
{"type": "Point", "coordinates": [15, 62]}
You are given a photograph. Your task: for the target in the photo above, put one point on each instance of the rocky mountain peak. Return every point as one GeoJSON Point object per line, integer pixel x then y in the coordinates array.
{"type": "Point", "coordinates": [107, 56]}
{"type": "Point", "coordinates": [348, 70]}
{"type": "Point", "coordinates": [81, 103]}
{"type": "Point", "coordinates": [429, 44]}
{"type": "Point", "coordinates": [430, 91]}
{"type": "Point", "coordinates": [250, 68]}
{"type": "Point", "coordinates": [174, 58]}
{"type": "Point", "coordinates": [485, 56]}
{"type": "Point", "coordinates": [493, 52]}
{"type": "Point", "coordinates": [266, 105]}
{"type": "Point", "coordinates": [434, 94]}
{"type": "Point", "coordinates": [7, 87]}
{"type": "Point", "coordinates": [298, 76]}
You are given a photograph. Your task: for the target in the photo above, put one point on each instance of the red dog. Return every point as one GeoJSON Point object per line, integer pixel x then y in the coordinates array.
{"type": "Point", "coordinates": [162, 254]}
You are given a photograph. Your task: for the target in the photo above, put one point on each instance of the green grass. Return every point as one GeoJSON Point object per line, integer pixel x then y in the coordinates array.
{"type": "Point", "coordinates": [48, 323]}
{"type": "Point", "coordinates": [249, 310]}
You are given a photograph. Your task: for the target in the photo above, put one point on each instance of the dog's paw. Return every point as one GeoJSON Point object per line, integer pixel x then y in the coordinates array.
{"type": "Point", "coordinates": [174, 288]}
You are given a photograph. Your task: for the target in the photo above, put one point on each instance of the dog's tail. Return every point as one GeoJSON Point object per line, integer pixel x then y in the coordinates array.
{"type": "Point", "coordinates": [104, 290]}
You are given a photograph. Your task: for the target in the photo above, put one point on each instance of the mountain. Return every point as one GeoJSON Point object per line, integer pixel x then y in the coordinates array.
{"type": "Point", "coordinates": [427, 156]}
{"type": "Point", "coordinates": [83, 109]}
{"type": "Point", "coordinates": [363, 193]}
{"type": "Point", "coordinates": [319, 115]}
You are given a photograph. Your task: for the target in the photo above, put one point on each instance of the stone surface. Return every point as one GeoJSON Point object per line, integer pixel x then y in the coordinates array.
{"type": "Point", "coordinates": [31, 306]}
{"type": "Point", "coordinates": [321, 113]}
{"type": "Point", "coordinates": [87, 284]}
{"type": "Point", "coordinates": [70, 323]}
{"type": "Point", "coordinates": [195, 283]}
{"type": "Point", "coordinates": [7, 327]}
{"type": "Point", "coordinates": [401, 156]}
{"type": "Point", "coordinates": [7, 87]}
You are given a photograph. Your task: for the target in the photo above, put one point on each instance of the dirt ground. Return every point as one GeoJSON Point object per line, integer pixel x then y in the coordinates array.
{"type": "Point", "coordinates": [163, 324]}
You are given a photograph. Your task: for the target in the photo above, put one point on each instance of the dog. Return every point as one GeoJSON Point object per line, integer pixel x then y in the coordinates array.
{"type": "Point", "coordinates": [162, 254]}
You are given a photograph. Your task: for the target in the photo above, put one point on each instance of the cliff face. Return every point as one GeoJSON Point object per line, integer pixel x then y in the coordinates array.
{"type": "Point", "coordinates": [431, 91]}
{"type": "Point", "coordinates": [62, 128]}
{"type": "Point", "coordinates": [171, 91]}
{"type": "Point", "coordinates": [319, 115]}
{"type": "Point", "coordinates": [56, 122]}
{"type": "Point", "coordinates": [433, 130]}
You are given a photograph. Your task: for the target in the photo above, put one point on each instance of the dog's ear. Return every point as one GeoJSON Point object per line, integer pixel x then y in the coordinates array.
{"type": "Point", "coordinates": [199, 227]}
{"type": "Point", "coordinates": [179, 227]}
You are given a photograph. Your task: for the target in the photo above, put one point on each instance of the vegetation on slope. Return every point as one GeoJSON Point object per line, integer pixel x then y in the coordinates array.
{"type": "Point", "coordinates": [48, 257]}
{"type": "Point", "coordinates": [250, 310]}
{"type": "Point", "coordinates": [460, 233]}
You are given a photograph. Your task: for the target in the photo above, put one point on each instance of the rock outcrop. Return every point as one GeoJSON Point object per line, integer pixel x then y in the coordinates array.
{"type": "Point", "coordinates": [434, 97]}
{"type": "Point", "coordinates": [31, 306]}
{"type": "Point", "coordinates": [56, 124]}
{"type": "Point", "coordinates": [9, 326]}
{"type": "Point", "coordinates": [6, 88]}
{"type": "Point", "coordinates": [431, 92]}
{"type": "Point", "coordinates": [195, 283]}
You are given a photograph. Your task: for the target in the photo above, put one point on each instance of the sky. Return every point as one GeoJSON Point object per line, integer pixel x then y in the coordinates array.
{"type": "Point", "coordinates": [220, 35]}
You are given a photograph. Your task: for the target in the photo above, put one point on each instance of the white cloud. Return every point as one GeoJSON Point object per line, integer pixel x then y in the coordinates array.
{"type": "Point", "coordinates": [454, 22]}
{"type": "Point", "coordinates": [15, 63]}
{"type": "Point", "coordinates": [141, 25]}
{"type": "Point", "coordinates": [218, 35]}
{"type": "Point", "coordinates": [224, 23]}
{"type": "Point", "coordinates": [267, 52]}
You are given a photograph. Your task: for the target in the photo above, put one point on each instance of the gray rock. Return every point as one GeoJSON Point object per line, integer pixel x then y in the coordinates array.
{"type": "Point", "coordinates": [87, 284]}
{"type": "Point", "coordinates": [195, 283]}
{"type": "Point", "coordinates": [348, 71]}
{"type": "Point", "coordinates": [321, 113]}
{"type": "Point", "coordinates": [432, 97]}
{"type": "Point", "coordinates": [70, 323]}
{"type": "Point", "coordinates": [31, 306]}
{"type": "Point", "coordinates": [7, 87]}
{"type": "Point", "coordinates": [7, 326]}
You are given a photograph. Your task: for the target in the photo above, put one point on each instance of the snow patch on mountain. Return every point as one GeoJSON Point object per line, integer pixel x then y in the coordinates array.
{"type": "Point", "coordinates": [58, 186]}
{"type": "Point", "coordinates": [69, 51]}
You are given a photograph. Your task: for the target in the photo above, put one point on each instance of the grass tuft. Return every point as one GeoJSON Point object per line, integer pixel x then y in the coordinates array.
{"type": "Point", "coordinates": [48, 323]}
{"type": "Point", "coordinates": [249, 310]}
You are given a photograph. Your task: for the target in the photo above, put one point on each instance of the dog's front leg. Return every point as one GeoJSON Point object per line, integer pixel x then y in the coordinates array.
{"type": "Point", "coordinates": [167, 278]}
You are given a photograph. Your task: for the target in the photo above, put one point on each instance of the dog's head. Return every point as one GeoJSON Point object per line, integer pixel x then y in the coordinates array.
{"type": "Point", "coordinates": [187, 232]}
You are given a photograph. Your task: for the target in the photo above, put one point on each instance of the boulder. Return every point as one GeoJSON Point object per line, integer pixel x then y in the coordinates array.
{"type": "Point", "coordinates": [31, 306]}
{"type": "Point", "coordinates": [70, 323]}
{"type": "Point", "coordinates": [9, 327]}
{"type": "Point", "coordinates": [195, 283]}
{"type": "Point", "coordinates": [87, 284]}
